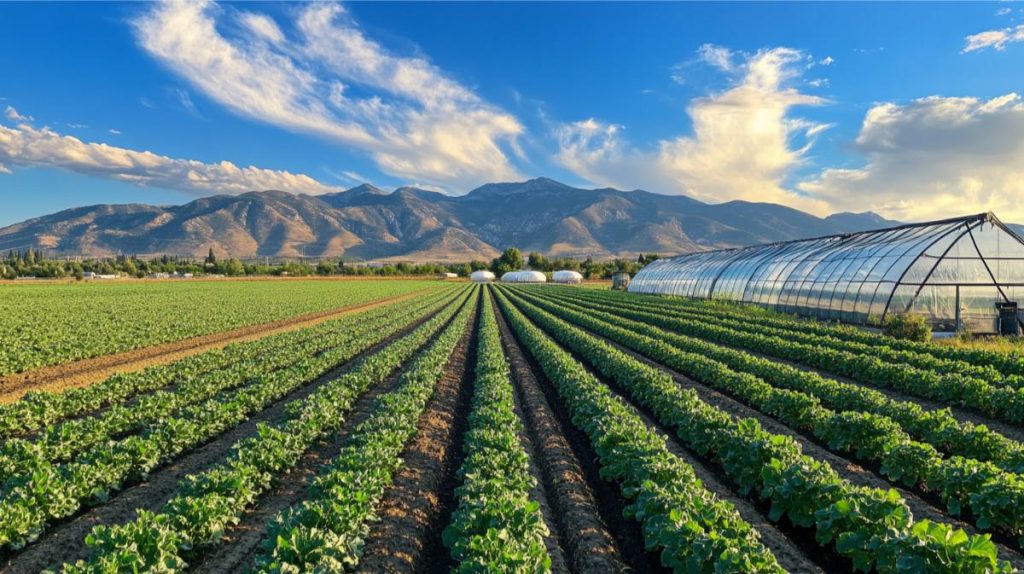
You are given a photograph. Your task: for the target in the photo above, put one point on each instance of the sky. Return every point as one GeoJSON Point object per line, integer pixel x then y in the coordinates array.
{"type": "Point", "coordinates": [913, 110]}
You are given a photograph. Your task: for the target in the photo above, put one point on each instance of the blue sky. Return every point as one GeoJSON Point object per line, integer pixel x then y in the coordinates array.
{"type": "Point", "coordinates": [910, 110]}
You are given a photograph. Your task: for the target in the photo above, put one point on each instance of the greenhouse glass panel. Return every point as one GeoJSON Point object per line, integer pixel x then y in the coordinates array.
{"type": "Point", "coordinates": [860, 277]}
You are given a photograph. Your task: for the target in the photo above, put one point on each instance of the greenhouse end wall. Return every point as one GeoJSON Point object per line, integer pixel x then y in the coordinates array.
{"type": "Point", "coordinates": [932, 269]}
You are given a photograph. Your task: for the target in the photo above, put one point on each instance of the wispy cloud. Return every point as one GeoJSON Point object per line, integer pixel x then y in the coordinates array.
{"type": "Point", "coordinates": [744, 142]}
{"type": "Point", "coordinates": [332, 81]}
{"type": "Point", "coordinates": [13, 115]}
{"type": "Point", "coordinates": [113, 131]}
{"type": "Point", "coordinates": [932, 157]}
{"type": "Point", "coordinates": [185, 99]}
{"type": "Point", "coordinates": [995, 39]}
{"type": "Point", "coordinates": [77, 126]}
{"type": "Point", "coordinates": [27, 146]}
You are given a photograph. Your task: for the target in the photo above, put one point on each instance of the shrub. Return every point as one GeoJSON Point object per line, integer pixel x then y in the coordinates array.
{"type": "Point", "coordinates": [908, 326]}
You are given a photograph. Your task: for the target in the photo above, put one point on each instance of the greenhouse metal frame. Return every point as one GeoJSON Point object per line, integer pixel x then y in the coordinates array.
{"type": "Point", "coordinates": [952, 271]}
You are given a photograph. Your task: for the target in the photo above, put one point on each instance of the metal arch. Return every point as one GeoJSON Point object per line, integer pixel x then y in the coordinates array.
{"type": "Point", "coordinates": [899, 279]}
{"type": "Point", "coordinates": [940, 258]}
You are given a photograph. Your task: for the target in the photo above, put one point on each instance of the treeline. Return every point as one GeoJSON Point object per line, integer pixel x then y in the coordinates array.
{"type": "Point", "coordinates": [33, 263]}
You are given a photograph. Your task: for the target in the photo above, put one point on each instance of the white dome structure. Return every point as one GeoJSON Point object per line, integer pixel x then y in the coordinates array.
{"type": "Point", "coordinates": [482, 276]}
{"type": "Point", "coordinates": [524, 277]}
{"type": "Point", "coordinates": [567, 276]}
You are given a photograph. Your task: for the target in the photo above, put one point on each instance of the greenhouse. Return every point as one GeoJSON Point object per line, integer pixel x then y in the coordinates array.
{"type": "Point", "coordinates": [567, 276]}
{"type": "Point", "coordinates": [964, 273]}
{"type": "Point", "coordinates": [481, 276]}
{"type": "Point", "coordinates": [524, 277]}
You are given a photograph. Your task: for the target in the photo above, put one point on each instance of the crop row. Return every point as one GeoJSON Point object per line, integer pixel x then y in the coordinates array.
{"type": "Point", "coordinates": [937, 427]}
{"type": "Point", "coordinates": [28, 502]}
{"type": "Point", "coordinates": [206, 504]}
{"type": "Point", "coordinates": [59, 443]}
{"type": "Point", "coordinates": [327, 531]}
{"type": "Point", "coordinates": [992, 494]}
{"type": "Point", "coordinates": [52, 324]}
{"type": "Point", "coordinates": [997, 401]}
{"type": "Point", "coordinates": [872, 527]}
{"type": "Point", "coordinates": [38, 409]}
{"type": "Point", "coordinates": [914, 358]}
{"type": "Point", "coordinates": [1006, 363]}
{"type": "Point", "coordinates": [693, 529]}
{"type": "Point", "coordinates": [497, 527]}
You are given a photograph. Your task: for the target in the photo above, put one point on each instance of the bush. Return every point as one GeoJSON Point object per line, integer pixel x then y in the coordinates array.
{"type": "Point", "coordinates": [908, 326]}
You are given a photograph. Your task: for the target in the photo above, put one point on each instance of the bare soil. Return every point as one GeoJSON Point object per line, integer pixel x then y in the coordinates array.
{"type": "Point", "coordinates": [586, 540]}
{"type": "Point", "coordinates": [65, 541]}
{"type": "Point", "coordinates": [418, 505]}
{"type": "Point", "coordinates": [85, 372]}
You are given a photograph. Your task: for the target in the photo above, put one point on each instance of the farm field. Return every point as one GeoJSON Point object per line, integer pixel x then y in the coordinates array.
{"type": "Point", "coordinates": [50, 324]}
{"type": "Point", "coordinates": [524, 429]}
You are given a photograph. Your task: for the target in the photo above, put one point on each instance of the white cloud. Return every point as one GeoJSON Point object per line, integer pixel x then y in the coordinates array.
{"type": "Point", "coordinates": [13, 115]}
{"type": "Point", "coordinates": [744, 142]}
{"type": "Point", "coordinates": [1003, 11]}
{"type": "Point", "coordinates": [334, 82]}
{"type": "Point", "coordinates": [77, 126]}
{"type": "Point", "coordinates": [263, 26]}
{"type": "Point", "coordinates": [717, 56]}
{"type": "Point", "coordinates": [27, 146]}
{"type": "Point", "coordinates": [818, 83]}
{"type": "Point", "coordinates": [827, 61]}
{"type": "Point", "coordinates": [934, 157]}
{"type": "Point", "coordinates": [113, 131]}
{"type": "Point", "coordinates": [996, 39]}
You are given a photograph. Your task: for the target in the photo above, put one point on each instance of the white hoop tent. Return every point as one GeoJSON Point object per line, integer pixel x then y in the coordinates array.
{"type": "Point", "coordinates": [966, 272]}
{"type": "Point", "coordinates": [568, 277]}
{"type": "Point", "coordinates": [481, 277]}
{"type": "Point", "coordinates": [524, 277]}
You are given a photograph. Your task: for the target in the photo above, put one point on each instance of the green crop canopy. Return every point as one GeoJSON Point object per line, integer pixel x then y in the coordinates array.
{"type": "Point", "coordinates": [955, 272]}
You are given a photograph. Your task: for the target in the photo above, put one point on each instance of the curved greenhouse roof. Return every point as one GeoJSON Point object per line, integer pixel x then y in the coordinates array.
{"type": "Point", "coordinates": [923, 268]}
{"type": "Point", "coordinates": [524, 277]}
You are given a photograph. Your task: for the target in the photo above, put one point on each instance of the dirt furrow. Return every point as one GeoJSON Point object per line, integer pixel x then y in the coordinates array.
{"type": "Point", "coordinates": [585, 538]}
{"type": "Point", "coordinates": [88, 371]}
{"type": "Point", "coordinates": [847, 469]}
{"type": "Point", "coordinates": [241, 543]}
{"type": "Point", "coordinates": [418, 505]}
{"type": "Point", "coordinates": [576, 486]}
{"type": "Point", "coordinates": [65, 542]}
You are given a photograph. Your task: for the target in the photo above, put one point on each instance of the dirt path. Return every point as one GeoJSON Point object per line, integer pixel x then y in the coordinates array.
{"type": "Point", "coordinates": [586, 541]}
{"type": "Point", "coordinates": [65, 542]}
{"type": "Point", "coordinates": [417, 506]}
{"type": "Point", "coordinates": [88, 371]}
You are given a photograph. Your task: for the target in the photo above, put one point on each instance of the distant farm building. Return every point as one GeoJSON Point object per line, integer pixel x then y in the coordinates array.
{"type": "Point", "coordinates": [620, 281]}
{"type": "Point", "coordinates": [965, 273]}
{"type": "Point", "coordinates": [567, 276]}
{"type": "Point", "coordinates": [481, 277]}
{"type": "Point", "coordinates": [524, 277]}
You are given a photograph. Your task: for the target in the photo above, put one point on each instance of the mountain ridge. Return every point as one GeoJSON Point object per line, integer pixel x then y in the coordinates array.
{"type": "Point", "coordinates": [365, 222]}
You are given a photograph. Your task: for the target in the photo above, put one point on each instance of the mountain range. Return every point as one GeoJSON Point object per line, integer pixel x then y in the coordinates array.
{"type": "Point", "coordinates": [413, 224]}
